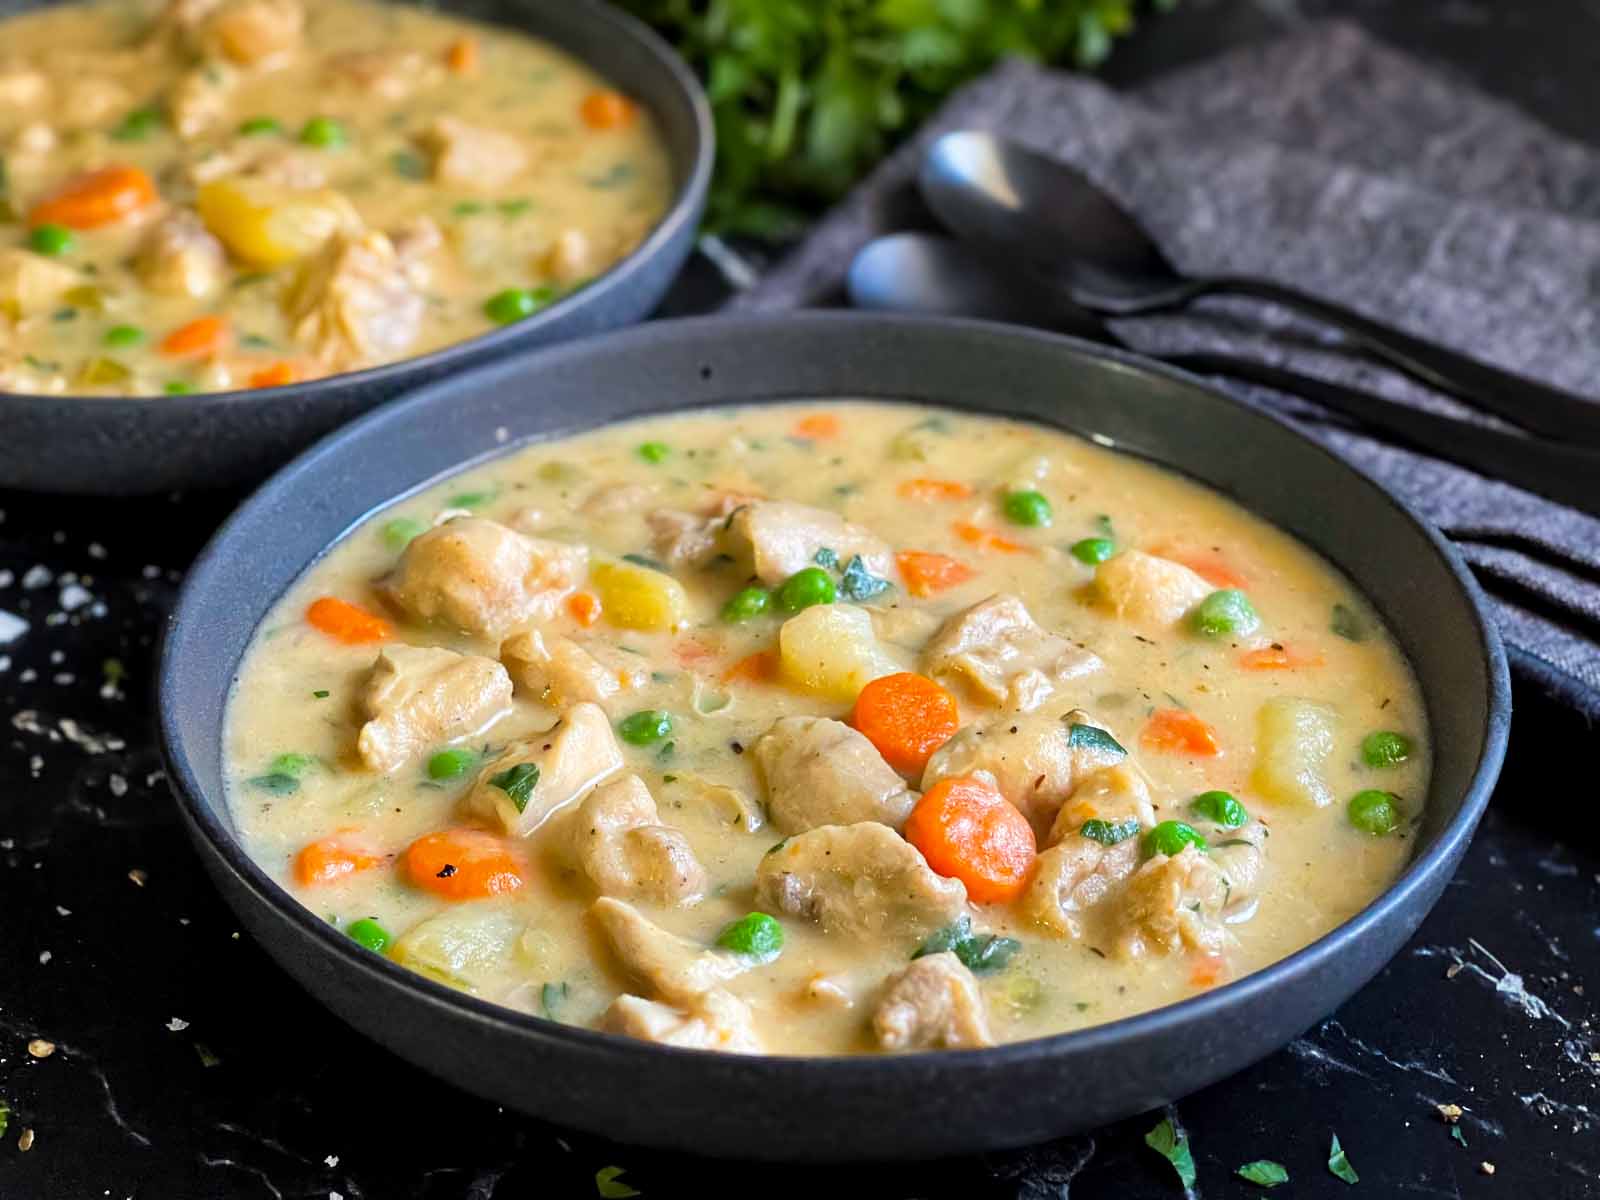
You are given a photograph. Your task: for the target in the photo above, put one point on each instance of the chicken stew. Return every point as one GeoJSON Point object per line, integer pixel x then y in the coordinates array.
{"type": "Point", "coordinates": [823, 729]}
{"type": "Point", "coordinates": [205, 195]}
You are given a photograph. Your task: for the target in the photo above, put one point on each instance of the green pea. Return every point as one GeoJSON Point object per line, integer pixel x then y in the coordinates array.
{"type": "Point", "coordinates": [1170, 837]}
{"type": "Point", "coordinates": [447, 764]}
{"type": "Point", "coordinates": [1027, 508]}
{"type": "Point", "coordinates": [1093, 551]}
{"type": "Point", "coordinates": [1221, 808]}
{"type": "Point", "coordinates": [177, 387]}
{"type": "Point", "coordinates": [51, 240]}
{"type": "Point", "coordinates": [324, 133]}
{"type": "Point", "coordinates": [1375, 812]}
{"type": "Point", "coordinates": [367, 932]}
{"type": "Point", "coordinates": [1385, 748]}
{"type": "Point", "coordinates": [808, 586]}
{"type": "Point", "coordinates": [400, 532]}
{"type": "Point", "coordinates": [1222, 613]}
{"type": "Point", "coordinates": [123, 335]}
{"type": "Point", "coordinates": [645, 727]}
{"type": "Point", "coordinates": [756, 935]}
{"type": "Point", "coordinates": [513, 304]}
{"type": "Point", "coordinates": [746, 604]}
{"type": "Point", "coordinates": [260, 126]}
{"type": "Point", "coordinates": [654, 452]}
{"type": "Point", "coordinates": [138, 125]}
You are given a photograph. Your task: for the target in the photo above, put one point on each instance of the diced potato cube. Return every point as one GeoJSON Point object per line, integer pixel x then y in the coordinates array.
{"type": "Point", "coordinates": [636, 597]}
{"type": "Point", "coordinates": [462, 946]}
{"type": "Point", "coordinates": [831, 650]}
{"type": "Point", "coordinates": [1294, 740]}
{"type": "Point", "coordinates": [266, 224]}
{"type": "Point", "coordinates": [1142, 587]}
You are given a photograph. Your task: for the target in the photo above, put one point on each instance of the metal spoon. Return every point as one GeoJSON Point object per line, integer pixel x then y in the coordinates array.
{"type": "Point", "coordinates": [935, 276]}
{"type": "Point", "coordinates": [1046, 214]}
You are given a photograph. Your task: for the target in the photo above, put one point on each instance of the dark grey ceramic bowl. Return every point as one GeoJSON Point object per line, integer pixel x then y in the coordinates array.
{"type": "Point", "coordinates": [98, 445]}
{"type": "Point", "coordinates": [862, 1107]}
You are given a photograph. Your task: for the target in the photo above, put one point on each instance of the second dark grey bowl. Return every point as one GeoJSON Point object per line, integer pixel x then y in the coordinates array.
{"type": "Point", "coordinates": [869, 1107]}
{"type": "Point", "coordinates": [101, 445]}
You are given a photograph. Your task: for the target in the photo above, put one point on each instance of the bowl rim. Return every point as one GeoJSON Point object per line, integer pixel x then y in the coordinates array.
{"type": "Point", "coordinates": [1387, 906]}
{"type": "Point", "coordinates": [688, 198]}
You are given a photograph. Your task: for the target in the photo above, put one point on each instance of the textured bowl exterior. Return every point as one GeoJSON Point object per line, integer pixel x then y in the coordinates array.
{"type": "Point", "coordinates": [102, 445]}
{"type": "Point", "coordinates": [921, 1105]}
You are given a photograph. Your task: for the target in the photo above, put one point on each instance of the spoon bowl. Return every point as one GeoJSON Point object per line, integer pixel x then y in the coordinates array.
{"type": "Point", "coordinates": [1000, 195]}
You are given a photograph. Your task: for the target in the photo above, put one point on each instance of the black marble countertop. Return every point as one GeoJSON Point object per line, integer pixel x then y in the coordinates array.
{"type": "Point", "coordinates": [185, 1065]}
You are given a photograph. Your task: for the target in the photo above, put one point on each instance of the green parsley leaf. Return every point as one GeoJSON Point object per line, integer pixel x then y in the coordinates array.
{"type": "Point", "coordinates": [518, 782]}
{"type": "Point", "coordinates": [980, 953]}
{"type": "Point", "coordinates": [1455, 1132]}
{"type": "Point", "coordinates": [1108, 834]}
{"type": "Point", "coordinates": [1339, 1164]}
{"type": "Point", "coordinates": [608, 1182]}
{"type": "Point", "coordinates": [5, 1117]}
{"type": "Point", "coordinates": [858, 583]}
{"type": "Point", "coordinates": [1092, 737]}
{"type": "Point", "coordinates": [1264, 1172]}
{"type": "Point", "coordinates": [552, 996]}
{"type": "Point", "coordinates": [1165, 1140]}
{"type": "Point", "coordinates": [1346, 624]}
{"type": "Point", "coordinates": [826, 558]}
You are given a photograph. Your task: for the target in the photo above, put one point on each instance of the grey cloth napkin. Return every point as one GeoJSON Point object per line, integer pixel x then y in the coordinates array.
{"type": "Point", "coordinates": [1337, 164]}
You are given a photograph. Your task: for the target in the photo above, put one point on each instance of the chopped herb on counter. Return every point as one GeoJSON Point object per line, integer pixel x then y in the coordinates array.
{"type": "Point", "coordinates": [1339, 1162]}
{"type": "Point", "coordinates": [1166, 1141]}
{"type": "Point", "coordinates": [1263, 1172]}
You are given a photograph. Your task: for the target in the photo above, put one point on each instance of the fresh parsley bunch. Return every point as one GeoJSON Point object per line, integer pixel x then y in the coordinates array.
{"type": "Point", "coordinates": [808, 94]}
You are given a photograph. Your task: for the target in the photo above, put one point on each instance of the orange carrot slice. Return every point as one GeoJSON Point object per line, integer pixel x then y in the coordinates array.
{"type": "Point", "coordinates": [330, 859]}
{"type": "Point", "coordinates": [584, 608]}
{"type": "Point", "coordinates": [97, 198]}
{"type": "Point", "coordinates": [346, 622]}
{"type": "Point", "coordinates": [463, 864]}
{"type": "Point", "coordinates": [605, 109]}
{"type": "Point", "coordinates": [988, 539]}
{"type": "Point", "coordinates": [927, 574]}
{"type": "Point", "coordinates": [907, 717]}
{"type": "Point", "coordinates": [760, 667]}
{"type": "Point", "coordinates": [1277, 657]}
{"type": "Point", "coordinates": [818, 427]}
{"type": "Point", "coordinates": [278, 374]}
{"type": "Point", "coordinates": [930, 491]}
{"type": "Point", "coordinates": [968, 831]}
{"type": "Point", "coordinates": [1179, 731]}
{"type": "Point", "coordinates": [202, 337]}
{"type": "Point", "coordinates": [462, 56]}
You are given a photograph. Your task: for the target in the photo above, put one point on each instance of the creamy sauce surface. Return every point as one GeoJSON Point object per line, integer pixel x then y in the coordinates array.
{"type": "Point", "coordinates": [1193, 713]}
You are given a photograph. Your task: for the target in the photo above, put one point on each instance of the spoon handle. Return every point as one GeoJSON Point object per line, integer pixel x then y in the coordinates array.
{"type": "Point", "coordinates": [1568, 474]}
{"type": "Point", "coordinates": [1535, 406]}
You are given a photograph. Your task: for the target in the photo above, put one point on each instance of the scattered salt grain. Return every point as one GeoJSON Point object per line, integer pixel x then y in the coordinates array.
{"type": "Point", "coordinates": [36, 577]}
{"type": "Point", "coordinates": [44, 957]}
{"type": "Point", "coordinates": [74, 596]}
{"type": "Point", "coordinates": [62, 911]}
{"type": "Point", "coordinates": [177, 1025]}
{"type": "Point", "coordinates": [332, 1160]}
{"type": "Point", "coordinates": [11, 627]}
{"type": "Point", "coordinates": [96, 550]}
{"type": "Point", "coordinates": [118, 785]}
{"type": "Point", "coordinates": [6, 579]}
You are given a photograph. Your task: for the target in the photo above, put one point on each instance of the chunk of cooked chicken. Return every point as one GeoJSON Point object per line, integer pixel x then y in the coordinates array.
{"type": "Point", "coordinates": [571, 257]}
{"type": "Point", "coordinates": [1076, 872]}
{"type": "Point", "coordinates": [561, 670]}
{"type": "Point", "coordinates": [91, 100]}
{"type": "Point", "coordinates": [691, 539]}
{"type": "Point", "coordinates": [822, 772]}
{"type": "Point", "coordinates": [386, 74]}
{"type": "Point", "coordinates": [780, 537]}
{"type": "Point", "coordinates": [619, 841]}
{"type": "Point", "coordinates": [1241, 855]}
{"type": "Point", "coordinates": [1035, 758]}
{"type": "Point", "coordinates": [538, 775]}
{"type": "Point", "coordinates": [472, 156]}
{"type": "Point", "coordinates": [1152, 591]}
{"type": "Point", "coordinates": [718, 1021]}
{"type": "Point", "coordinates": [415, 243]}
{"type": "Point", "coordinates": [255, 33]}
{"type": "Point", "coordinates": [1172, 903]}
{"type": "Point", "coordinates": [669, 967]}
{"type": "Point", "coordinates": [180, 257]}
{"type": "Point", "coordinates": [932, 1004]}
{"type": "Point", "coordinates": [420, 696]}
{"type": "Point", "coordinates": [1004, 654]}
{"type": "Point", "coordinates": [478, 576]}
{"type": "Point", "coordinates": [619, 499]}
{"type": "Point", "coordinates": [353, 303]}
{"type": "Point", "coordinates": [1115, 794]}
{"type": "Point", "coordinates": [31, 284]}
{"type": "Point", "coordinates": [22, 87]}
{"type": "Point", "coordinates": [860, 880]}
{"type": "Point", "coordinates": [198, 100]}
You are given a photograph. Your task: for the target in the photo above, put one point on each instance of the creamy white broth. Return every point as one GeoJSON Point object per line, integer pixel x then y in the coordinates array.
{"type": "Point", "coordinates": [1319, 871]}
{"type": "Point", "coordinates": [338, 184]}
